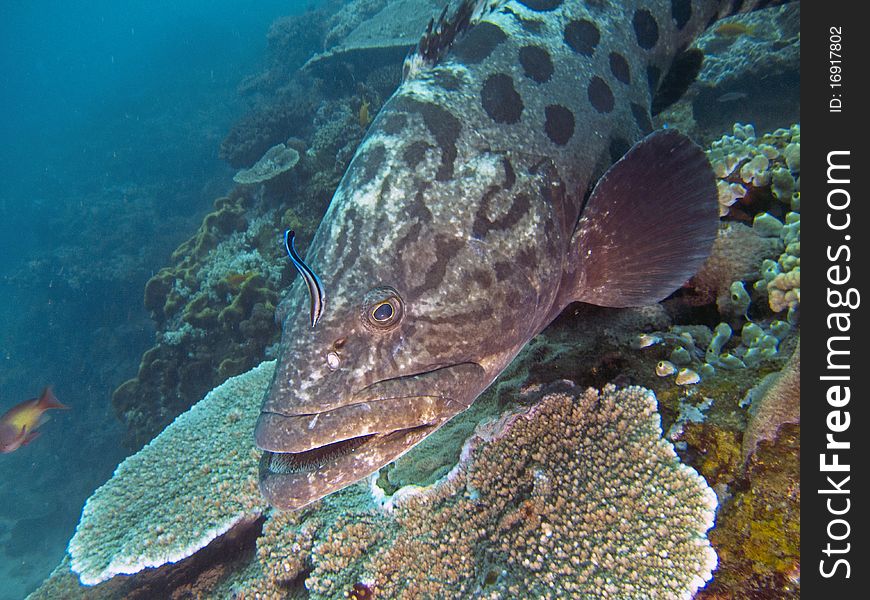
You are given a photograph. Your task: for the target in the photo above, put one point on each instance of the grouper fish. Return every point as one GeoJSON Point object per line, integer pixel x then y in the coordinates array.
{"type": "Point", "coordinates": [513, 171]}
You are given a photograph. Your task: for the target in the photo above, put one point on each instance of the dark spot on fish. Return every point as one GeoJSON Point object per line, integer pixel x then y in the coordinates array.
{"type": "Point", "coordinates": [418, 215]}
{"type": "Point", "coordinates": [681, 11]}
{"type": "Point", "coordinates": [527, 257]}
{"type": "Point", "coordinates": [483, 278]}
{"type": "Point", "coordinates": [502, 270]}
{"type": "Point", "coordinates": [510, 176]}
{"type": "Point", "coordinates": [645, 28]}
{"type": "Point", "coordinates": [446, 248]}
{"type": "Point", "coordinates": [479, 315]}
{"type": "Point", "coordinates": [500, 99]}
{"type": "Point", "coordinates": [653, 74]}
{"type": "Point", "coordinates": [393, 123]}
{"type": "Point", "coordinates": [559, 124]}
{"type": "Point", "coordinates": [371, 161]}
{"type": "Point", "coordinates": [541, 5]}
{"type": "Point", "coordinates": [600, 95]}
{"type": "Point", "coordinates": [536, 62]}
{"type": "Point", "coordinates": [736, 5]}
{"type": "Point", "coordinates": [553, 189]}
{"type": "Point", "coordinates": [482, 225]}
{"type": "Point", "coordinates": [479, 42]}
{"type": "Point", "coordinates": [383, 195]}
{"type": "Point", "coordinates": [682, 73]}
{"type": "Point", "coordinates": [418, 211]}
{"type": "Point", "coordinates": [619, 67]}
{"type": "Point", "coordinates": [582, 36]}
{"type": "Point", "coordinates": [618, 147]}
{"type": "Point", "coordinates": [641, 117]}
{"type": "Point", "coordinates": [446, 80]}
{"type": "Point", "coordinates": [443, 126]}
{"type": "Point", "coordinates": [414, 153]}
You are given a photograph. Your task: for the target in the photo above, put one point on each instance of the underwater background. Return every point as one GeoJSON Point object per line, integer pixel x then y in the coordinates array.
{"type": "Point", "coordinates": [112, 116]}
{"type": "Point", "coordinates": [140, 267]}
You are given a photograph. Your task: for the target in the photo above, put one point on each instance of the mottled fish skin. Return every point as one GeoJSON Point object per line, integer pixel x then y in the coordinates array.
{"type": "Point", "coordinates": [458, 209]}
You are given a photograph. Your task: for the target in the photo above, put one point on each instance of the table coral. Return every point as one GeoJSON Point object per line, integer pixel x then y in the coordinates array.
{"type": "Point", "coordinates": [191, 484]}
{"type": "Point", "coordinates": [277, 160]}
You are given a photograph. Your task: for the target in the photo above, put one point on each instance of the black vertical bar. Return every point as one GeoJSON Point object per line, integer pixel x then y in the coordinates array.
{"type": "Point", "coordinates": [834, 348]}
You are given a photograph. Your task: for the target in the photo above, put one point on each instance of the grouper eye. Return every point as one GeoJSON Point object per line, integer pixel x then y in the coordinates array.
{"type": "Point", "coordinates": [382, 312]}
{"type": "Point", "coordinates": [382, 308]}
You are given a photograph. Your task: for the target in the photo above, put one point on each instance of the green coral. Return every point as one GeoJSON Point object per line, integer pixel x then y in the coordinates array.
{"type": "Point", "coordinates": [757, 535]}
{"type": "Point", "coordinates": [252, 290]}
{"type": "Point", "coordinates": [745, 164]}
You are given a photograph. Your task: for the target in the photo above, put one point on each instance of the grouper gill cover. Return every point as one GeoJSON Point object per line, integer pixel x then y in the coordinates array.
{"type": "Point", "coordinates": [513, 172]}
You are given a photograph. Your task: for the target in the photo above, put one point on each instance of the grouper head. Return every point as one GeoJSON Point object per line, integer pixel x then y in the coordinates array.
{"type": "Point", "coordinates": [417, 320]}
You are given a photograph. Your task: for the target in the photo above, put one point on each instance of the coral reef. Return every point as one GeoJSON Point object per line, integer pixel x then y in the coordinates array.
{"type": "Point", "coordinates": [368, 34]}
{"type": "Point", "coordinates": [272, 121]}
{"type": "Point", "coordinates": [348, 18]}
{"type": "Point", "coordinates": [778, 403]}
{"type": "Point", "coordinates": [757, 170]}
{"type": "Point", "coordinates": [757, 534]}
{"type": "Point", "coordinates": [214, 310]}
{"type": "Point", "coordinates": [735, 324]}
{"type": "Point", "coordinates": [737, 255]}
{"type": "Point", "coordinates": [361, 62]}
{"type": "Point", "coordinates": [566, 499]}
{"type": "Point", "coordinates": [757, 251]}
{"type": "Point", "coordinates": [751, 71]}
{"type": "Point", "coordinates": [210, 573]}
{"type": "Point", "coordinates": [750, 74]}
{"type": "Point", "coordinates": [277, 160]}
{"type": "Point", "coordinates": [159, 508]}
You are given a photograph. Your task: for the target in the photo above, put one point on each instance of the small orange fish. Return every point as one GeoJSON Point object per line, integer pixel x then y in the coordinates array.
{"type": "Point", "coordinates": [364, 117]}
{"type": "Point", "coordinates": [18, 425]}
{"type": "Point", "coordinates": [734, 29]}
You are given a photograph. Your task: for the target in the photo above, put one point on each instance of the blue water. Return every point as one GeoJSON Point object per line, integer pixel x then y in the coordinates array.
{"type": "Point", "coordinates": [111, 116]}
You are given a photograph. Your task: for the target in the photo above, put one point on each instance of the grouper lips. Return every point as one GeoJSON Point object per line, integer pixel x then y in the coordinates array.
{"type": "Point", "coordinates": [308, 456]}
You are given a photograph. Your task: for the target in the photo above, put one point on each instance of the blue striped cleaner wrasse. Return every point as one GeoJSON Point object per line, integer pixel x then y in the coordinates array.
{"type": "Point", "coordinates": [513, 171]}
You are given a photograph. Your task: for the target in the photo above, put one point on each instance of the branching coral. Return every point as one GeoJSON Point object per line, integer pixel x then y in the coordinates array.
{"type": "Point", "coordinates": [579, 497]}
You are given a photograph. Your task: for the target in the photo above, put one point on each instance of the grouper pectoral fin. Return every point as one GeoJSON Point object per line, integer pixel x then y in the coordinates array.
{"type": "Point", "coordinates": [648, 225]}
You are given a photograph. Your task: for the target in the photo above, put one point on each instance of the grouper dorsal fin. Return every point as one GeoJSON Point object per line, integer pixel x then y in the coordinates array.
{"type": "Point", "coordinates": [648, 225]}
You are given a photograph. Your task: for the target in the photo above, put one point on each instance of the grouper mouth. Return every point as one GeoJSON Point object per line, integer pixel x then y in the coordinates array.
{"type": "Point", "coordinates": [311, 455]}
